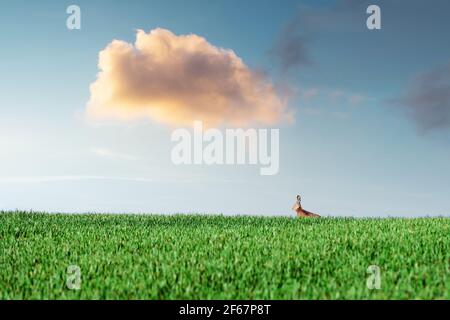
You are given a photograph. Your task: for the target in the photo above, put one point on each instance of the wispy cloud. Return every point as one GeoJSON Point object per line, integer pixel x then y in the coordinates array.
{"type": "Point", "coordinates": [78, 178]}
{"type": "Point", "coordinates": [338, 103]}
{"type": "Point", "coordinates": [356, 99]}
{"type": "Point", "coordinates": [338, 97]}
{"type": "Point", "coordinates": [310, 93]}
{"type": "Point", "coordinates": [293, 46]}
{"type": "Point", "coordinates": [38, 179]}
{"type": "Point", "coordinates": [107, 153]}
{"type": "Point", "coordinates": [427, 100]}
{"type": "Point", "coordinates": [291, 49]}
{"type": "Point", "coordinates": [335, 95]}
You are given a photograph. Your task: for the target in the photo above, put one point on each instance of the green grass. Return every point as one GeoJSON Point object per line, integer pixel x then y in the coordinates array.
{"type": "Point", "coordinates": [216, 257]}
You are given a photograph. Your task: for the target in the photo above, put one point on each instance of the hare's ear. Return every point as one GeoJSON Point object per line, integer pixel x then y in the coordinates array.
{"type": "Point", "coordinates": [298, 197]}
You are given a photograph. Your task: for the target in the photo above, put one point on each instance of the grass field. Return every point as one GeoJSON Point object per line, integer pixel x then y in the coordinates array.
{"type": "Point", "coordinates": [216, 257]}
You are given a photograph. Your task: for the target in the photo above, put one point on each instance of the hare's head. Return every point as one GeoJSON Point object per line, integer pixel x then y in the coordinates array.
{"type": "Point", "coordinates": [299, 201]}
{"type": "Point", "coordinates": [297, 204]}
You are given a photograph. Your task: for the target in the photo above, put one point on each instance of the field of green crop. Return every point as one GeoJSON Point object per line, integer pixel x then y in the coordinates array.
{"type": "Point", "coordinates": [217, 257]}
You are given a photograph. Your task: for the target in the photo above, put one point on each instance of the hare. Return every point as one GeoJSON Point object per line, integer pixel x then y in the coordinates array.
{"type": "Point", "coordinates": [302, 213]}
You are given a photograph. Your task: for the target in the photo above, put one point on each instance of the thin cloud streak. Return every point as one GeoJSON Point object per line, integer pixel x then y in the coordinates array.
{"type": "Point", "coordinates": [107, 153]}
{"type": "Point", "coordinates": [39, 179]}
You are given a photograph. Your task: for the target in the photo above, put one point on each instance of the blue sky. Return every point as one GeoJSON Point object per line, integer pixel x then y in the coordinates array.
{"type": "Point", "coordinates": [350, 151]}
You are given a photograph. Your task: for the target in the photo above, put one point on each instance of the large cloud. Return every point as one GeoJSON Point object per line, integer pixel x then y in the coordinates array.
{"type": "Point", "coordinates": [177, 79]}
{"type": "Point", "coordinates": [427, 101]}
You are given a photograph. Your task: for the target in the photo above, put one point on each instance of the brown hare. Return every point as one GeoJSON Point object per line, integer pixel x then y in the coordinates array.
{"type": "Point", "coordinates": [300, 212]}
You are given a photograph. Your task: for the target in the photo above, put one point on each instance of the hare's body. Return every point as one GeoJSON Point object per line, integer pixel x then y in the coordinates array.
{"type": "Point", "coordinates": [303, 213]}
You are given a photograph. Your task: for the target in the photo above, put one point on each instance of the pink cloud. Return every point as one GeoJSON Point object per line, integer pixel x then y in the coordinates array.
{"type": "Point", "coordinates": [175, 80]}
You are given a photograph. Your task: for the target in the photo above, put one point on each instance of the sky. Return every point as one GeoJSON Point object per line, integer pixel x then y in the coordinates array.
{"type": "Point", "coordinates": [86, 116]}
